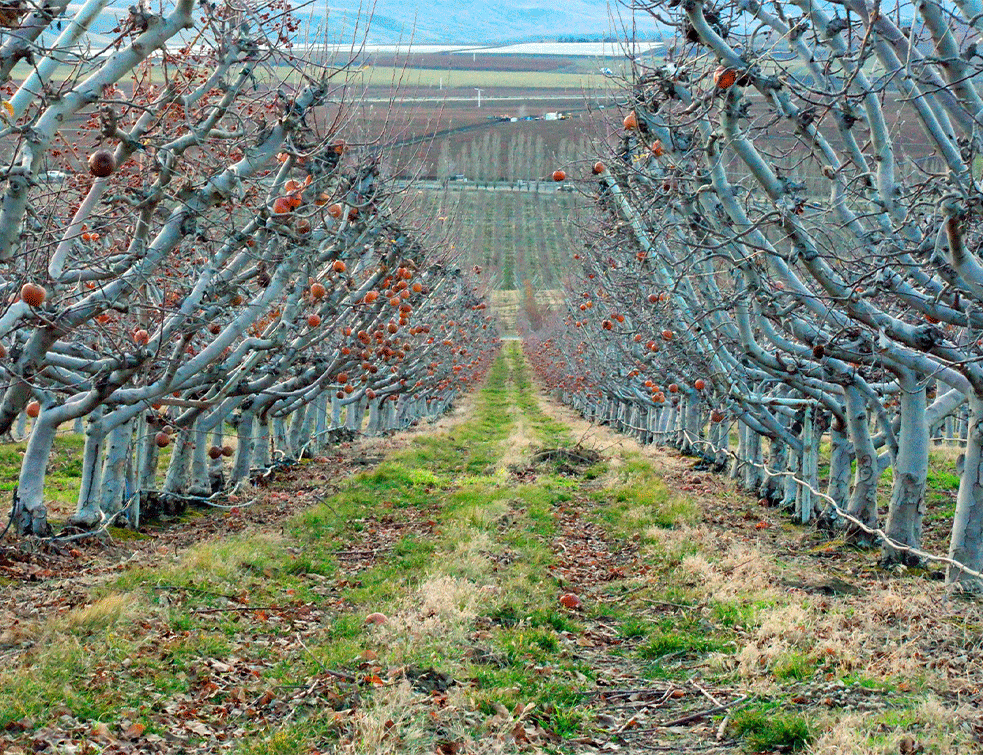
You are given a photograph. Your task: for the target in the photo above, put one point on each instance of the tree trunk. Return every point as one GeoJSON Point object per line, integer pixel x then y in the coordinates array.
{"type": "Point", "coordinates": [790, 488]}
{"type": "Point", "coordinates": [149, 458]}
{"type": "Point", "coordinates": [320, 422]}
{"type": "Point", "coordinates": [298, 432]}
{"type": "Point", "coordinates": [200, 478]}
{"type": "Point", "coordinates": [216, 467]}
{"type": "Point", "coordinates": [863, 499]}
{"type": "Point", "coordinates": [694, 425]}
{"type": "Point", "coordinates": [723, 446]}
{"type": "Point", "coordinates": [178, 477]}
{"type": "Point", "coordinates": [113, 488]}
{"type": "Point", "coordinates": [31, 515]}
{"type": "Point", "coordinates": [775, 484]}
{"type": "Point", "coordinates": [390, 414]}
{"type": "Point", "coordinates": [356, 412]}
{"type": "Point", "coordinates": [907, 509]}
{"type": "Point", "coordinates": [281, 444]}
{"type": "Point", "coordinates": [132, 488]}
{"type": "Point", "coordinates": [21, 431]}
{"type": "Point", "coordinates": [87, 512]}
{"type": "Point", "coordinates": [244, 449]}
{"type": "Point", "coordinates": [375, 418]}
{"type": "Point", "coordinates": [840, 461]}
{"type": "Point", "coordinates": [966, 545]}
{"type": "Point", "coordinates": [753, 473]}
{"type": "Point", "coordinates": [805, 501]}
{"type": "Point", "coordinates": [737, 467]}
{"type": "Point", "coordinates": [261, 442]}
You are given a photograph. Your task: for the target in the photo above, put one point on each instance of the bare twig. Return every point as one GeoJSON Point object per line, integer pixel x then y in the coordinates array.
{"type": "Point", "coordinates": [695, 716]}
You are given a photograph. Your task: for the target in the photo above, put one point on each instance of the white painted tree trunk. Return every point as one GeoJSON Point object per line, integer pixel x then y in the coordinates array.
{"type": "Point", "coordinates": [320, 422]}
{"type": "Point", "coordinates": [907, 508]}
{"type": "Point", "coordinates": [840, 461]}
{"type": "Point", "coordinates": [808, 469]}
{"type": "Point", "coordinates": [261, 442]}
{"type": "Point", "coordinates": [281, 443]}
{"type": "Point", "coordinates": [775, 487]}
{"type": "Point", "coordinates": [200, 484]}
{"type": "Point", "coordinates": [966, 544]}
{"type": "Point", "coordinates": [113, 487]}
{"type": "Point", "coordinates": [789, 487]}
{"type": "Point", "coordinates": [132, 511]}
{"type": "Point", "coordinates": [390, 415]}
{"type": "Point", "coordinates": [375, 418]}
{"type": "Point", "coordinates": [737, 467]}
{"type": "Point", "coordinates": [216, 467]}
{"type": "Point", "coordinates": [87, 512]}
{"type": "Point", "coordinates": [356, 413]}
{"type": "Point", "coordinates": [149, 458]}
{"type": "Point", "coordinates": [244, 449]}
{"type": "Point", "coordinates": [863, 498]}
{"type": "Point", "coordinates": [31, 514]}
{"type": "Point", "coordinates": [178, 471]}
{"type": "Point", "coordinates": [694, 424]}
{"type": "Point", "coordinates": [753, 472]}
{"type": "Point", "coordinates": [299, 434]}
{"type": "Point", "coordinates": [723, 445]}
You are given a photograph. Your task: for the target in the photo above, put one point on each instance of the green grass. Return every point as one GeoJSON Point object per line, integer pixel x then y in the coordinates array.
{"type": "Point", "coordinates": [662, 644]}
{"type": "Point", "coordinates": [467, 581]}
{"type": "Point", "coordinates": [64, 471]}
{"type": "Point", "coordinates": [640, 500]}
{"type": "Point", "coordinates": [633, 628]}
{"type": "Point", "coordinates": [734, 615]}
{"type": "Point", "coordinates": [767, 729]}
{"type": "Point", "coordinates": [794, 667]}
{"type": "Point", "coordinates": [452, 478]}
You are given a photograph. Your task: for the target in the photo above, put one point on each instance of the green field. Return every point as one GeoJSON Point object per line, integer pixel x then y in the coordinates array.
{"type": "Point", "coordinates": [377, 76]}
{"type": "Point", "coordinates": [514, 236]}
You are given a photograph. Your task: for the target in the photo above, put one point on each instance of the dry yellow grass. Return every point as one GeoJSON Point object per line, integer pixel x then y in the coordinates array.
{"type": "Point", "coordinates": [95, 617]}
{"type": "Point", "coordinates": [438, 614]}
{"type": "Point", "coordinates": [905, 634]}
{"type": "Point", "coordinates": [937, 726]}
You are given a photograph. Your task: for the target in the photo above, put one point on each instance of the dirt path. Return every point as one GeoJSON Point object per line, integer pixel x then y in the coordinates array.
{"type": "Point", "coordinates": [508, 580]}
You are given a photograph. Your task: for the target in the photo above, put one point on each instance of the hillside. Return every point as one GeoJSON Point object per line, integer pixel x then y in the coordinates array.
{"type": "Point", "coordinates": [479, 22]}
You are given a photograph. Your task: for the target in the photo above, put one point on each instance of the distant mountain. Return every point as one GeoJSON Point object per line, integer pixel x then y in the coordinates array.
{"type": "Point", "coordinates": [479, 22]}
{"type": "Point", "coordinates": [428, 22]}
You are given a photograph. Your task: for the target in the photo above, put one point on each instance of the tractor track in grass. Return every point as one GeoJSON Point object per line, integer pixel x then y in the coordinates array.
{"type": "Point", "coordinates": [624, 709]}
{"type": "Point", "coordinates": [39, 580]}
{"type": "Point", "coordinates": [871, 660]}
{"type": "Point", "coordinates": [630, 710]}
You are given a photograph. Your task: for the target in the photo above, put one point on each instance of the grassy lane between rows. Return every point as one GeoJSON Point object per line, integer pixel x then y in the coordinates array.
{"type": "Point", "coordinates": [494, 587]}
{"type": "Point", "coordinates": [259, 643]}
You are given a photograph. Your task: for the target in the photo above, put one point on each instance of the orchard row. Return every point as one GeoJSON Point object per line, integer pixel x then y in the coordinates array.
{"type": "Point", "coordinates": [718, 295]}
{"type": "Point", "coordinates": [192, 251]}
